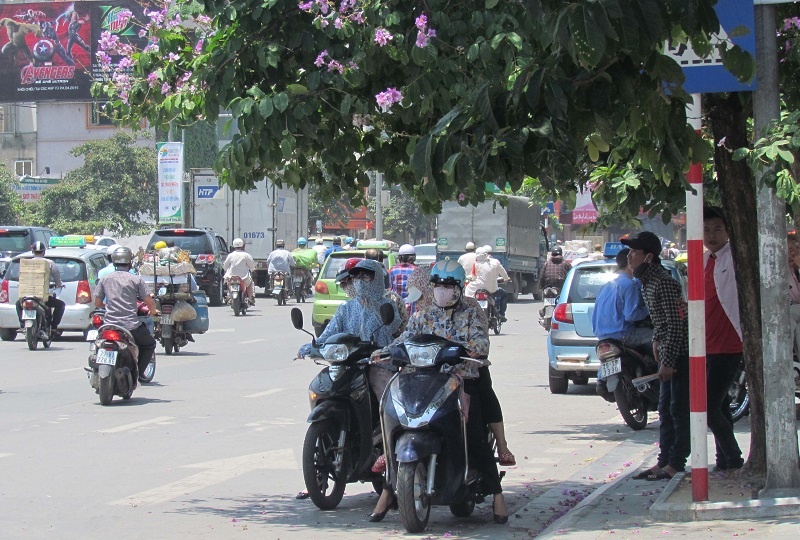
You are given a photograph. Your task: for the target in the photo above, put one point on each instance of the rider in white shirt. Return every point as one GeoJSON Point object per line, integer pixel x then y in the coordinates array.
{"type": "Point", "coordinates": [484, 275]}
{"type": "Point", "coordinates": [239, 263]}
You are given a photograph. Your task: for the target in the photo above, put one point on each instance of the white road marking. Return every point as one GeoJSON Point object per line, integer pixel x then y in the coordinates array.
{"type": "Point", "coordinates": [5, 455]}
{"type": "Point", "coordinates": [216, 472]}
{"type": "Point", "coordinates": [68, 370]}
{"type": "Point", "coordinates": [135, 425]}
{"type": "Point", "coordinates": [251, 341]}
{"type": "Point", "coordinates": [220, 330]}
{"type": "Point", "coordinates": [266, 393]}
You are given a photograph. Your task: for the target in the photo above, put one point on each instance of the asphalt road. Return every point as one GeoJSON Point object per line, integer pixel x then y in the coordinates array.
{"type": "Point", "coordinates": [212, 448]}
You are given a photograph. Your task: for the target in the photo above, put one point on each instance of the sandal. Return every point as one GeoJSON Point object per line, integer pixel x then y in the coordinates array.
{"type": "Point", "coordinates": [642, 475]}
{"type": "Point", "coordinates": [380, 464]}
{"type": "Point", "coordinates": [660, 475]}
{"type": "Point", "coordinates": [507, 459]}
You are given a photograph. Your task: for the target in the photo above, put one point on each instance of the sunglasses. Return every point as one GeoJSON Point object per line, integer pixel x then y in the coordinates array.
{"type": "Point", "coordinates": [365, 276]}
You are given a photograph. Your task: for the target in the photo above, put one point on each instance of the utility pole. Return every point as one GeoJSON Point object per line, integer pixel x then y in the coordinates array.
{"type": "Point", "coordinates": [783, 475]}
{"type": "Point", "coordinates": [378, 206]}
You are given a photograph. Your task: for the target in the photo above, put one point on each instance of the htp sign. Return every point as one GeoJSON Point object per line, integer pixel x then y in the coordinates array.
{"type": "Point", "coordinates": [708, 75]}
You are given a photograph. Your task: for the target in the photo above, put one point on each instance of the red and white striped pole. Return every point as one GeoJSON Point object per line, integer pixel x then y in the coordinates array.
{"type": "Point", "coordinates": [697, 319]}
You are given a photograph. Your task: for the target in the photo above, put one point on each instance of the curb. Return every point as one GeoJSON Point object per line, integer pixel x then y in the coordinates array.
{"type": "Point", "coordinates": [663, 510]}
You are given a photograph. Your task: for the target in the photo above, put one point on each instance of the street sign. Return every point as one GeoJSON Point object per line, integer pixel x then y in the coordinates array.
{"type": "Point", "coordinates": [207, 192]}
{"type": "Point", "coordinates": [708, 75]}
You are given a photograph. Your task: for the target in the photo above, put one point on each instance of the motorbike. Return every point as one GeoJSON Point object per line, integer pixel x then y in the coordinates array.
{"type": "Point", "coordinates": [424, 421]}
{"type": "Point", "coordinates": [619, 366]}
{"type": "Point", "coordinates": [299, 285]}
{"type": "Point", "coordinates": [170, 333]}
{"type": "Point", "coordinates": [739, 400]}
{"type": "Point", "coordinates": [344, 438]}
{"type": "Point", "coordinates": [36, 317]}
{"type": "Point", "coordinates": [113, 368]}
{"type": "Point", "coordinates": [238, 296]}
{"type": "Point", "coordinates": [279, 288]}
{"type": "Point", "coordinates": [550, 296]}
{"type": "Point", "coordinates": [486, 301]}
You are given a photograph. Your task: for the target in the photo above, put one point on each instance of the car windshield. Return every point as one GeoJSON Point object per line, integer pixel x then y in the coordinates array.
{"type": "Point", "coordinates": [586, 282]}
{"type": "Point", "coordinates": [336, 265]}
{"type": "Point", "coordinates": [195, 242]}
{"type": "Point", "coordinates": [70, 269]}
{"type": "Point", "coordinates": [16, 241]}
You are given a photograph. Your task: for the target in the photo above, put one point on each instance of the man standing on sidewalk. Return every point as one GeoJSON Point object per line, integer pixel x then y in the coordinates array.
{"type": "Point", "coordinates": [723, 336]}
{"type": "Point", "coordinates": [663, 298]}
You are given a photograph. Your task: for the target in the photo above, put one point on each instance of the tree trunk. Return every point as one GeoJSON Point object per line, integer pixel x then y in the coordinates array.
{"type": "Point", "coordinates": [728, 117]}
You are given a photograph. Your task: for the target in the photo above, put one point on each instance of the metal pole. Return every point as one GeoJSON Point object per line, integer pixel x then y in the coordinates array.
{"type": "Point", "coordinates": [782, 450]}
{"type": "Point", "coordinates": [697, 318]}
{"type": "Point", "coordinates": [378, 206]}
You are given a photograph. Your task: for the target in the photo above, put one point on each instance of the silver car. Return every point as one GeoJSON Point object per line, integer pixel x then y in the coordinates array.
{"type": "Point", "coordinates": [78, 268]}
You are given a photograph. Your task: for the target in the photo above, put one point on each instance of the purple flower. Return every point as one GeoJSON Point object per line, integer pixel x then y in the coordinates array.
{"type": "Point", "coordinates": [124, 62]}
{"type": "Point", "coordinates": [142, 32]}
{"type": "Point", "coordinates": [422, 40]}
{"type": "Point", "coordinates": [165, 88]}
{"type": "Point", "coordinates": [358, 17]}
{"type": "Point", "coordinates": [382, 36]}
{"type": "Point", "coordinates": [337, 23]}
{"type": "Point", "coordinates": [152, 48]}
{"type": "Point", "coordinates": [323, 6]}
{"type": "Point", "coordinates": [421, 22]}
{"type": "Point", "coordinates": [124, 16]}
{"type": "Point", "coordinates": [204, 19]}
{"type": "Point", "coordinates": [105, 60]}
{"type": "Point", "coordinates": [108, 41]}
{"type": "Point", "coordinates": [387, 98]}
{"type": "Point", "coordinates": [323, 23]}
{"type": "Point", "coordinates": [320, 61]}
{"type": "Point", "coordinates": [334, 65]}
{"type": "Point", "coordinates": [198, 47]}
{"type": "Point", "coordinates": [173, 57]}
{"type": "Point", "coordinates": [156, 17]}
{"type": "Point", "coordinates": [306, 6]}
{"type": "Point", "coordinates": [152, 79]}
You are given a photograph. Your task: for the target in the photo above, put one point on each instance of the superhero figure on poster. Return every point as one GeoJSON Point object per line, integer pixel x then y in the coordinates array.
{"type": "Point", "coordinates": [48, 32]}
{"type": "Point", "coordinates": [75, 21]}
{"type": "Point", "coordinates": [16, 39]}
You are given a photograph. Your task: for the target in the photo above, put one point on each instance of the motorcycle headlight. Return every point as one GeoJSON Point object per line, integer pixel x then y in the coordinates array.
{"type": "Point", "coordinates": [422, 355]}
{"type": "Point", "coordinates": [336, 352]}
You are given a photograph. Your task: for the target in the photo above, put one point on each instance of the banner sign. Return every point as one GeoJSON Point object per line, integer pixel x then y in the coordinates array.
{"type": "Point", "coordinates": [170, 182]}
{"type": "Point", "coordinates": [30, 187]}
{"type": "Point", "coordinates": [48, 50]}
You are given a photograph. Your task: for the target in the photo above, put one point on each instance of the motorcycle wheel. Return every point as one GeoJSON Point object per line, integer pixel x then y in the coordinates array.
{"type": "Point", "coordinates": [414, 505]}
{"type": "Point", "coordinates": [497, 326]}
{"type": "Point", "coordinates": [243, 309]}
{"type": "Point", "coordinates": [106, 390]}
{"type": "Point", "coordinates": [168, 345]}
{"type": "Point", "coordinates": [740, 400]}
{"type": "Point", "coordinates": [236, 304]}
{"type": "Point", "coordinates": [630, 403]}
{"type": "Point", "coordinates": [463, 508]}
{"type": "Point", "coordinates": [8, 334]}
{"type": "Point", "coordinates": [47, 343]}
{"type": "Point", "coordinates": [31, 337]}
{"type": "Point", "coordinates": [321, 449]}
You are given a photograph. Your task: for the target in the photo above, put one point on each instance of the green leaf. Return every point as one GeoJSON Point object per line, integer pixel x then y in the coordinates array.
{"type": "Point", "coordinates": [490, 4]}
{"type": "Point", "coordinates": [265, 107]}
{"type": "Point", "coordinates": [594, 153]}
{"type": "Point", "coordinates": [347, 101]}
{"type": "Point", "coordinates": [297, 89]}
{"type": "Point", "coordinates": [472, 52]}
{"type": "Point", "coordinates": [281, 101]}
{"type": "Point", "coordinates": [740, 153]}
{"type": "Point", "coordinates": [445, 121]}
{"type": "Point", "coordinates": [421, 160]}
{"type": "Point", "coordinates": [449, 167]}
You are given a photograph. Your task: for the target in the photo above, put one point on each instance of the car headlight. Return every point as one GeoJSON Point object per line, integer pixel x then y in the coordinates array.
{"type": "Point", "coordinates": [336, 352]}
{"type": "Point", "coordinates": [422, 355]}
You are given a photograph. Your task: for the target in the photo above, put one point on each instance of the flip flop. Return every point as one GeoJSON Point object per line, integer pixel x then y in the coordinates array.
{"type": "Point", "coordinates": [660, 475]}
{"type": "Point", "coordinates": [642, 475]}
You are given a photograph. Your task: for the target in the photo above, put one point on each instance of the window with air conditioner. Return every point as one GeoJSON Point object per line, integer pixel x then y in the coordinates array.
{"type": "Point", "coordinates": [97, 117]}
{"type": "Point", "coordinates": [23, 167]}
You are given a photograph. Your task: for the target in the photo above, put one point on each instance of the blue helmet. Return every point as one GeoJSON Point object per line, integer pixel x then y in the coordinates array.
{"type": "Point", "coordinates": [302, 241]}
{"type": "Point", "coordinates": [448, 272]}
{"type": "Point", "coordinates": [348, 240]}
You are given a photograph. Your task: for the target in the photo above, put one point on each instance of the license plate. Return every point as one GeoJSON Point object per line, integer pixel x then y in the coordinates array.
{"type": "Point", "coordinates": [235, 288]}
{"type": "Point", "coordinates": [28, 314]}
{"type": "Point", "coordinates": [298, 281]}
{"type": "Point", "coordinates": [550, 301]}
{"type": "Point", "coordinates": [483, 303]}
{"type": "Point", "coordinates": [91, 335]}
{"type": "Point", "coordinates": [277, 290]}
{"type": "Point", "coordinates": [166, 319]}
{"type": "Point", "coordinates": [105, 357]}
{"type": "Point", "coordinates": [610, 367]}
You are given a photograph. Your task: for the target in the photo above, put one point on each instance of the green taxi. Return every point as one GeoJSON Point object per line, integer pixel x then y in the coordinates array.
{"type": "Point", "coordinates": [328, 296]}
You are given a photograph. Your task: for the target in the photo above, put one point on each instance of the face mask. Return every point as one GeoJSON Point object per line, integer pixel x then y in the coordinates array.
{"type": "Point", "coordinates": [349, 289]}
{"type": "Point", "coordinates": [360, 287]}
{"type": "Point", "coordinates": [444, 297]}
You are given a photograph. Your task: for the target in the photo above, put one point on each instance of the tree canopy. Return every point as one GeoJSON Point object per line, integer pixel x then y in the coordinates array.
{"type": "Point", "coordinates": [11, 205]}
{"type": "Point", "coordinates": [441, 96]}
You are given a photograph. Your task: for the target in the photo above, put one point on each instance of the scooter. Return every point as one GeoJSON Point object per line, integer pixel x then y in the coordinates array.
{"type": "Point", "coordinates": [278, 287]}
{"type": "Point", "coordinates": [36, 317]}
{"type": "Point", "coordinates": [299, 285]}
{"type": "Point", "coordinates": [344, 438]}
{"type": "Point", "coordinates": [739, 399]}
{"type": "Point", "coordinates": [424, 421]}
{"type": "Point", "coordinates": [486, 301]}
{"type": "Point", "coordinates": [550, 296]}
{"type": "Point", "coordinates": [619, 366]}
{"type": "Point", "coordinates": [238, 296]}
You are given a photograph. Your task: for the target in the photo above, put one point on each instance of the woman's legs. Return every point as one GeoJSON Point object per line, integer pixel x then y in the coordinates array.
{"type": "Point", "coordinates": [492, 412]}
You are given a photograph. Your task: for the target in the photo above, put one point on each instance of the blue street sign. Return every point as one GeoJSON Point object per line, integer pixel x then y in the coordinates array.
{"type": "Point", "coordinates": [708, 75]}
{"type": "Point", "coordinates": [549, 208]}
{"type": "Point", "coordinates": [207, 192]}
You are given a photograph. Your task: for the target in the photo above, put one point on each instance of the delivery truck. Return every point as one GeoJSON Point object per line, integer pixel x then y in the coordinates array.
{"type": "Point", "coordinates": [259, 216]}
{"type": "Point", "coordinates": [510, 225]}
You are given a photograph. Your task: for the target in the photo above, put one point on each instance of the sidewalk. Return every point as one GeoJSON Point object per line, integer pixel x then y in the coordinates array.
{"type": "Point", "coordinates": [621, 508]}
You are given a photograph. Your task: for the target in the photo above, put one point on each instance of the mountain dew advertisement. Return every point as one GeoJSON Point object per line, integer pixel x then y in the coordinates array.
{"type": "Point", "coordinates": [170, 183]}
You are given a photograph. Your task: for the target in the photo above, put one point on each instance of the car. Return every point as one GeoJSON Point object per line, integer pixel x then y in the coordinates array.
{"type": "Point", "coordinates": [328, 296]}
{"type": "Point", "coordinates": [207, 250]}
{"type": "Point", "coordinates": [78, 267]}
{"type": "Point", "coordinates": [15, 240]}
{"type": "Point", "coordinates": [571, 341]}
{"type": "Point", "coordinates": [426, 254]}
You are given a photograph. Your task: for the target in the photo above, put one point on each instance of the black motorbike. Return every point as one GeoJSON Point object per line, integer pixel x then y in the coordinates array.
{"type": "Point", "coordinates": [550, 295]}
{"type": "Point", "coordinates": [278, 287]}
{"type": "Point", "coordinates": [344, 438]}
{"type": "Point", "coordinates": [113, 360]}
{"type": "Point", "coordinates": [299, 285]}
{"type": "Point", "coordinates": [424, 423]}
{"type": "Point", "coordinates": [738, 397]}
{"type": "Point", "coordinates": [489, 305]}
{"type": "Point", "coordinates": [36, 316]}
{"type": "Point", "coordinates": [619, 366]}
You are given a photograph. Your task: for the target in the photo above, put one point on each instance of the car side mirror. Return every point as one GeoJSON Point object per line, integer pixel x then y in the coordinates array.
{"type": "Point", "coordinates": [297, 318]}
{"type": "Point", "coordinates": [386, 312]}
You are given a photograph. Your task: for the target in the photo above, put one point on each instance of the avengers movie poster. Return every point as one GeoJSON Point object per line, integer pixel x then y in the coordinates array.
{"type": "Point", "coordinates": [48, 50]}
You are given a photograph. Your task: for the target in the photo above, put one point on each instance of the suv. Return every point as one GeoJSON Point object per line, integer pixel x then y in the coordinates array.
{"type": "Point", "coordinates": [15, 240]}
{"type": "Point", "coordinates": [207, 250]}
{"type": "Point", "coordinates": [328, 296]}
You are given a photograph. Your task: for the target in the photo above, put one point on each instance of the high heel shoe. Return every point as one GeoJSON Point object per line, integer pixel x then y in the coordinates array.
{"type": "Point", "coordinates": [375, 517]}
{"type": "Point", "coordinates": [499, 519]}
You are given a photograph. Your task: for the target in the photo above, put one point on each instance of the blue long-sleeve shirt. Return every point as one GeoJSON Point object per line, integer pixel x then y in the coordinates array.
{"type": "Point", "coordinates": [619, 304]}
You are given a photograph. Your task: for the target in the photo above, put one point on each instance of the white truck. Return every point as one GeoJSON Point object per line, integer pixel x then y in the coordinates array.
{"type": "Point", "coordinates": [259, 216]}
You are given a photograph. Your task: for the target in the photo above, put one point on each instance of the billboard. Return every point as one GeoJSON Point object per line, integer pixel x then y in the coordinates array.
{"type": "Point", "coordinates": [48, 50]}
{"type": "Point", "coordinates": [30, 188]}
{"type": "Point", "coordinates": [170, 182]}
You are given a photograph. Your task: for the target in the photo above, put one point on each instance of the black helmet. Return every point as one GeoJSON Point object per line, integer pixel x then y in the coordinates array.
{"type": "Point", "coordinates": [557, 252]}
{"type": "Point", "coordinates": [122, 256]}
{"type": "Point", "coordinates": [38, 247]}
{"type": "Point", "coordinates": [337, 241]}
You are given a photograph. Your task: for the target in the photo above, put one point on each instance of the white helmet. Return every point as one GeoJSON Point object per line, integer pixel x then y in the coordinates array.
{"type": "Point", "coordinates": [319, 241]}
{"type": "Point", "coordinates": [112, 248]}
{"type": "Point", "coordinates": [481, 251]}
{"type": "Point", "coordinates": [407, 249]}
{"type": "Point", "coordinates": [470, 246]}
{"type": "Point", "coordinates": [487, 248]}
{"type": "Point", "coordinates": [583, 252]}
{"type": "Point", "coordinates": [238, 243]}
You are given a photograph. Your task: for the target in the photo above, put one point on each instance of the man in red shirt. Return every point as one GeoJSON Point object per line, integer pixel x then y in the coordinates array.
{"type": "Point", "coordinates": [723, 336]}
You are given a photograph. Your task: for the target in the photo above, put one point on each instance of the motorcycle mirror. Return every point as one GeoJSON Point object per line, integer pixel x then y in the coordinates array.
{"type": "Point", "coordinates": [297, 318]}
{"type": "Point", "coordinates": [387, 313]}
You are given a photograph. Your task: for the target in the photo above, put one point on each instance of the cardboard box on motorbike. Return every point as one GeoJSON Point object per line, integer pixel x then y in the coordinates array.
{"type": "Point", "coordinates": [34, 278]}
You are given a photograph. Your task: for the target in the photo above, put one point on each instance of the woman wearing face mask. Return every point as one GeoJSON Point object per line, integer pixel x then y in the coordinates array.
{"type": "Point", "coordinates": [457, 318]}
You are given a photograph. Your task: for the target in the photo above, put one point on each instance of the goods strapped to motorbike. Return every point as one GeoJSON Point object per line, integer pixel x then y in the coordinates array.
{"type": "Point", "coordinates": [183, 312]}
{"type": "Point", "coordinates": [34, 292]}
